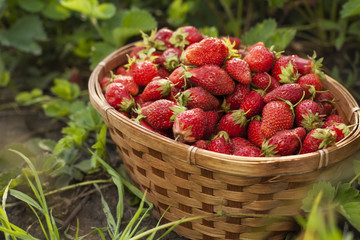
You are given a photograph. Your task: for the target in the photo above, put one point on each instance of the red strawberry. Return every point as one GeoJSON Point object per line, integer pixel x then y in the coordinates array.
{"type": "Point", "coordinates": [159, 113]}
{"type": "Point", "coordinates": [283, 143]}
{"type": "Point", "coordinates": [318, 138]}
{"type": "Point", "coordinates": [208, 51]}
{"type": "Point", "coordinates": [291, 92]}
{"type": "Point", "coordinates": [156, 89]}
{"type": "Point", "coordinates": [239, 142]}
{"type": "Point", "coordinates": [163, 72]}
{"type": "Point", "coordinates": [264, 81]}
{"type": "Point", "coordinates": [121, 71]}
{"type": "Point", "coordinates": [276, 116]}
{"type": "Point", "coordinates": [300, 132]}
{"type": "Point", "coordinates": [254, 132]}
{"type": "Point", "coordinates": [248, 151]}
{"type": "Point", "coordinates": [142, 72]}
{"type": "Point", "coordinates": [259, 58]}
{"type": "Point", "coordinates": [104, 82]}
{"type": "Point", "coordinates": [118, 97]}
{"type": "Point", "coordinates": [211, 118]}
{"type": "Point", "coordinates": [252, 104]}
{"type": "Point", "coordinates": [179, 76]}
{"type": "Point", "coordinates": [136, 50]}
{"type": "Point", "coordinates": [326, 103]}
{"type": "Point", "coordinates": [185, 36]}
{"type": "Point", "coordinates": [238, 69]}
{"type": "Point", "coordinates": [285, 70]}
{"type": "Point", "coordinates": [307, 115]}
{"type": "Point", "coordinates": [200, 144]}
{"type": "Point", "coordinates": [164, 34]}
{"type": "Point", "coordinates": [220, 143]}
{"type": "Point", "coordinates": [128, 81]}
{"type": "Point", "coordinates": [232, 101]}
{"type": "Point", "coordinates": [234, 123]}
{"type": "Point", "coordinates": [340, 129]}
{"type": "Point", "coordinates": [310, 65]}
{"type": "Point", "coordinates": [197, 97]}
{"type": "Point", "coordinates": [213, 78]}
{"type": "Point", "coordinates": [143, 123]}
{"type": "Point", "coordinates": [171, 58]}
{"type": "Point", "coordinates": [332, 119]}
{"type": "Point", "coordinates": [311, 84]}
{"type": "Point", "coordinates": [189, 125]}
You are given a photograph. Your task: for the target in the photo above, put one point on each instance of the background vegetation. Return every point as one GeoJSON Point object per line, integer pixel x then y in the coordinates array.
{"type": "Point", "coordinates": [49, 47]}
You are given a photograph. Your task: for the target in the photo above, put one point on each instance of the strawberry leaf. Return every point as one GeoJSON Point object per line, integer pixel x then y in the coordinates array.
{"type": "Point", "coordinates": [328, 195]}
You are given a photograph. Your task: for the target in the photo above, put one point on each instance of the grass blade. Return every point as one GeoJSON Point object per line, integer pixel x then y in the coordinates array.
{"type": "Point", "coordinates": [25, 198]}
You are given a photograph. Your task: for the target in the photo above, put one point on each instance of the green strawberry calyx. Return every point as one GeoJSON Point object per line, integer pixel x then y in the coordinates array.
{"type": "Point", "coordinates": [326, 135]}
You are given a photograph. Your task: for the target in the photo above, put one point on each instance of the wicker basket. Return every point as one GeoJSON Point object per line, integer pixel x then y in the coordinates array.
{"type": "Point", "coordinates": [195, 182]}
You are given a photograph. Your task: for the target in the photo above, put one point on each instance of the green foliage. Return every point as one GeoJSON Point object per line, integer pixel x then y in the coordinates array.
{"type": "Point", "coordinates": [24, 35]}
{"type": "Point", "coordinates": [343, 198]}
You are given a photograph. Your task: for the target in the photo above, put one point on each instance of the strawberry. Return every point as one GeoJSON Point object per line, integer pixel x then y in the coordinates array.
{"type": "Point", "coordinates": [285, 70]}
{"type": "Point", "coordinates": [309, 65]}
{"type": "Point", "coordinates": [254, 132]}
{"type": "Point", "coordinates": [233, 100]}
{"type": "Point", "coordinates": [163, 72]}
{"type": "Point", "coordinates": [318, 138]}
{"type": "Point", "coordinates": [307, 115]}
{"type": "Point", "coordinates": [311, 84]}
{"type": "Point", "coordinates": [179, 76]}
{"type": "Point", "coordinates": [208, 51]}
{"type": "Point", "coordinates": [136, 50]}
{"type": "Point", "coordinates": [282, 143]}
{"type": "Point", "coordinates": [213, 78]}
{"type": "Point", "coordinates": [171, 58]}
{"type": "Point", "coordinates": [332, 119]}
{"type": "Point", "coordinates": [211, 119]}
{"type": "Point", "coordinates": [118, 97]}
{"type": "Point", "coordinates": [185, 36]}
{"type": "Point", "coordinates": [234, 123]}
{"type": "Point", "coordinates": [326, 103]}
{"type": "Point", "coordinates": [143, 123]}
{"type": "Point", "coordinates": [121, 71]}
{"type": "Point", "coordinates": [189, 125]}
{"type": "Point", "coordinates": [142, 71]}
{"type": "Point", "coordinates": [264, 81]}
{"type": "Point", "coordinates": [276, 116]}
{"type": "Point", "coordinates": [164, 34]}
{"type": "Point", "coordinates": [197, 97]}
{"type": "Point", "coordinates": [248, 151]}
{"type": "Point", "coordinates": [128, 81]}
{"type": "Point", "coordinates": [252, 104]}
{"type": "Point", "coordinates": [159, 113]}
{"type": "Point", "coordinates": [239, 142]}
{"type": "Point", "coordinates": [200, 144]}
{"type": "Point", "coordinates": [156, 89]}
{"type": "Point", "coordinates": [340, 129]}
{"type": "Point", "coordinates": [238, 69]}
{"type": "Point", "coordinates": [220, 143]}
{"type": "Point", "coordinates": [259, 58]}
{"type": "Point", "coordinates": [291, 92]}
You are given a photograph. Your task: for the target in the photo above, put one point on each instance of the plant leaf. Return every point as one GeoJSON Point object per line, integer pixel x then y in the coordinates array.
{"type": "Point", "coordinates": [328, 195]}
{"type": "Point", "coordinates": [260, 32]}
{"type": "Point", "coordinates": [104, 11]}
{"type": "Point", "coordinates": [32, 6]}
{"type": "Point", "coordinates": [99, 52]}
{"type": "Point", "coordinates": [351, 211]}
{"type": "Point", "coordinates": [26, 198]}
{"type": "Point", "coordinates": [24, 34]}
{"type": "Point", "coordinates": [350, 8]}
{"type": "Point", "coordinates": [65, 89]}
{"type": "Point", "coordinates": [53, 10]}
{"type": "Point", "coordinates": [83, 6]}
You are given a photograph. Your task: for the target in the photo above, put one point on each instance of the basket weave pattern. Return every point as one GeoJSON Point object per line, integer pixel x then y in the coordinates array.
{"type": "Point", "coordinates": [185, 181]}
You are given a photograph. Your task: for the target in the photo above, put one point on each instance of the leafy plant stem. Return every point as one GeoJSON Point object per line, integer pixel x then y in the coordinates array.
{"type": "Point", "coordinates": [183, 220]}
{"type": "Point", "coordinates": [95, 23]}
{"type": "Point", "coordinates": [77, 185]}
{"type": "Point", "coordinates": [354, 178]}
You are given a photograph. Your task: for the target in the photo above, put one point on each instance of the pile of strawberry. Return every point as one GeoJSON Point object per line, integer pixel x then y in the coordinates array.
{"type": "Point", "coordinates": [215, 94]}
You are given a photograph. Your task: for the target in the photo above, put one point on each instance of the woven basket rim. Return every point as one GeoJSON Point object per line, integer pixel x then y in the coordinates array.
{"type": "Point", "coordinates": [223, 162]}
